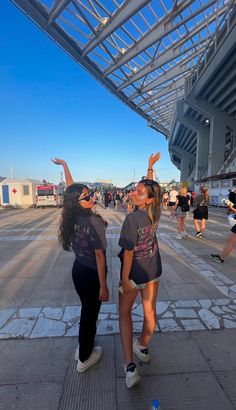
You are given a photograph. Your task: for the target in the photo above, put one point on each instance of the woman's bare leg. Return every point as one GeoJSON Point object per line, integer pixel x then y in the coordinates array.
{"type": "Point", "coordinates": [179, 224]}
{"type": "Point", "coordinates": [149, 298]}
{"type": "Point", "coordinates": [126, 325]}
{"type": "Point", "coordinates": [229, 245]}
{"type": "Point", "coordinates": [196, 225]}
{"type": "Point", "coordinates": [183, 229]}
{"type": "Point", "coordinates": [203, 225]}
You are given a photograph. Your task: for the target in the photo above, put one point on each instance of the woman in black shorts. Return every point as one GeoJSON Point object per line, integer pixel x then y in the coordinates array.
{"type": "Point", "coordinates": [229, 245]}
{"type": "Point", "coordinates": [200, 213]}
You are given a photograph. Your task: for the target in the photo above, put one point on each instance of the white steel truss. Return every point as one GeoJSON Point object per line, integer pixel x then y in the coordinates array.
{"type": "Point", "coordinates": [141, 50]}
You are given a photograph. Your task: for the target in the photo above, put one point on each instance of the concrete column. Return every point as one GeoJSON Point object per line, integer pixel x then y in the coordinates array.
{"type": "Point", "coordinates": [218, 123]}
{"type": "Point", "coordinates": [202, 152]}
{"type": "Point", "coordinates": [186, 167]}
{"type": "Point", "coordinates": [216, 144]}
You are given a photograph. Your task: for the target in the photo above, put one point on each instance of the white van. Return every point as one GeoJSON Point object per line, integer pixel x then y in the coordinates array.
{"type": "Point", "coordinates": [49, 195]}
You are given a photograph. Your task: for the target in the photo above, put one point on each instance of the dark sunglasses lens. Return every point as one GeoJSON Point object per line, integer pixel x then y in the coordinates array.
{"type": "Point", "coordinates": [86, 198]}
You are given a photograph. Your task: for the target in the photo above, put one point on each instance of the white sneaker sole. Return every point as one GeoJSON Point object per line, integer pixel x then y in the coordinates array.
{"type": "Point", "coordinates": [132, 381]}
{"type": "Point", "coordinates": [143, 357]}
{"type": "Point", "coordinates": [83, 366]}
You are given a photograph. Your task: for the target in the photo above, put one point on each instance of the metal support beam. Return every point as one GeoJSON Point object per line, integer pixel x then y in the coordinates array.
{"type": "Point", "coordinates": [57, 9]}
{"type": "Point", "coordinates": [176, 85]}
{"type": "Point", "coordinates": [152, 124]}
{"type": "Point", "coordinates": [127, 10]}
{"type": "Point", "coordinates": [175, 51]}
{"type": "Point", "coordinates": [167, 100]}
{"type": "Point", "coordinates": [162, 59]}
{"type": "Point", "coordinates": [159, 30]}
{"type": "Point", "coordinates": [174, 72]}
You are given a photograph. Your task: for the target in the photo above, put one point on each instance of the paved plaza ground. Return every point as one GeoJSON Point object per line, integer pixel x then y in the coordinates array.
{"type": "Point", "coordinates": [194, 347]}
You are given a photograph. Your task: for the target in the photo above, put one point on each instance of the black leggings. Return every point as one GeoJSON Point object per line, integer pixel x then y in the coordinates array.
{"type": "Point", "coordinates": [87, 286]}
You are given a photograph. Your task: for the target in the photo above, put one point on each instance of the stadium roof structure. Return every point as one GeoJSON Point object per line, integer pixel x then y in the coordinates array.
{"type": "Point", "coordinates": [140, 50]}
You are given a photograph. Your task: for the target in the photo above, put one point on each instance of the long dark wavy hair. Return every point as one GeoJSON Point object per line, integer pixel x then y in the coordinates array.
{"type": "Point", "coordinates": [71, 210]}
{"type": "Point", "coordinates": [153, 191]}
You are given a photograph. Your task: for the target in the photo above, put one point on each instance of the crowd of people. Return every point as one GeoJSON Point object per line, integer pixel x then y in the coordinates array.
{"type": "Point", "coordinates": [117, 199]}
{"type": "Point", "coordinates": [179, 204]}
{"type": "Point", "coordinates": [82, 230]}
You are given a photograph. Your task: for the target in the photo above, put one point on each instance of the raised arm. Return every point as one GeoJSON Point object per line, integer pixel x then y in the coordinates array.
{"type": "Point", "coordinates": [152, 160]}
{"type": "Point", "coordinates": [68, 177]}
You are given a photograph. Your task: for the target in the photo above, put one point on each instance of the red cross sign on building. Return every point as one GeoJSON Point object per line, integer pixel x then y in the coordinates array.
{"type": "Point", "coordinates": [14, 191]}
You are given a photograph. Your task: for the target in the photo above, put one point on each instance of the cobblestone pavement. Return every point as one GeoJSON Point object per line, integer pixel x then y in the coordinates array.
{"type": "Point", "coordinates": [198, 314]}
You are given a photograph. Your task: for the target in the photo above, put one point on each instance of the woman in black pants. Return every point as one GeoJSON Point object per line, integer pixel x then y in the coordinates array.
{"type": "Point", "coordinates": [83, 231]}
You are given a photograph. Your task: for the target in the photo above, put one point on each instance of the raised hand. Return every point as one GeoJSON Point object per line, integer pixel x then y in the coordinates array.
{"type": "Point", "coordinates": [153, 159]}
{"type": "Point", "coordinates": [58, 161]}
{"type": "Point", "coordinates": [68, 177]}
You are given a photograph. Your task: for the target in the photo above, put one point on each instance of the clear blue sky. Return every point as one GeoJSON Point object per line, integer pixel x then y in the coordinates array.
{"type": "Point", "coordinates": [50, 107]}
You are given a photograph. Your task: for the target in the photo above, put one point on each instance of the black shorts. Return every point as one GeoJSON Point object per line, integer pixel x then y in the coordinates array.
{"type": "Point", "coordinates": [200, 212]}
{"type": "Point", "coordinates": [233, 229]}
{"type": "Point", "coordinates": [172, 203]}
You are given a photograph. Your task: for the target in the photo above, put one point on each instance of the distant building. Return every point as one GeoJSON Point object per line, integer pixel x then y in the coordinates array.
{"type": "Point", "coordinates": [19, 193]}
{"type": "Point", "coordinates": [100, 185]}
{"type": "Point", "coordinates": [131, 186]}
{"type": "Point", "coordinates": [167, 186]}
{"type": "Point", "coordinates": [2, 178]}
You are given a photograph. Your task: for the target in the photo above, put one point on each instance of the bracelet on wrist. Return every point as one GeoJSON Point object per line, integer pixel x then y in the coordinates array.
{"type": "Point", "coordinates": [150, 169]}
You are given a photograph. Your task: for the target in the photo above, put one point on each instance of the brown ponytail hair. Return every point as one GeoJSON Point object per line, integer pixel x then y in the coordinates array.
{"type": "Point", "coordinates": [204, 191]}
{"type": "Point", "coordinates": [153, 191]}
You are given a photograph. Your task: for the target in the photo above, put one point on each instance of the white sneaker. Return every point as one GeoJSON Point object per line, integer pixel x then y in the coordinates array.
{"type": "Point", "coordinates": [141, 351]}
{"type": "Point", "coordinates": [132, 377]}
{"type": "Point", "coordinates": [184, 234]}
{"type": "Point", "coordinates": [179, 236]}
{"type": "Point", "coordinates": [93, 358]}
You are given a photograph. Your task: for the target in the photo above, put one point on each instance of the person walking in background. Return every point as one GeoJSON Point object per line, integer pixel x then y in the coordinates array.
{"type": "Point", "coordinates": [172, 201]}
{"type": "Point", "coordinates": [192, 198]}
{"type": "Point", "coordinates": [232, 199]}
{"type": "Point", "coordinates": [189, 193]}
{"type": "Point", "coordinates": [116, 199]}
{"type": "Point", "coordinates": [140, 271]}
{"type": "Point", "coordinates": [232, 196]}
{"type": "Point", "coordinates": [84, 232]}
{"type": "Point", "coordinates": [231, 241]}
{"type": "Point", "coordinates": [165, 200]}
{"type": "Point", "coordinates": [181, 211]}
{"type": "Point", "coordinates": [106, 199]}
{"type": "Point", "coordinates": [200, 212]}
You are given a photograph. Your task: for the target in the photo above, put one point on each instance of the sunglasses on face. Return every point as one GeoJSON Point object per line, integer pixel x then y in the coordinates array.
{"type": "Point", "coordinates": [86, 198]}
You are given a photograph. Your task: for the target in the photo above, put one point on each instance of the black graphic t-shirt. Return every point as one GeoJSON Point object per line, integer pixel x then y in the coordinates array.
{"type": "Point", "coordinates": [139, 235]}
{"type": "Point", "coordinates": [89, 234]}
